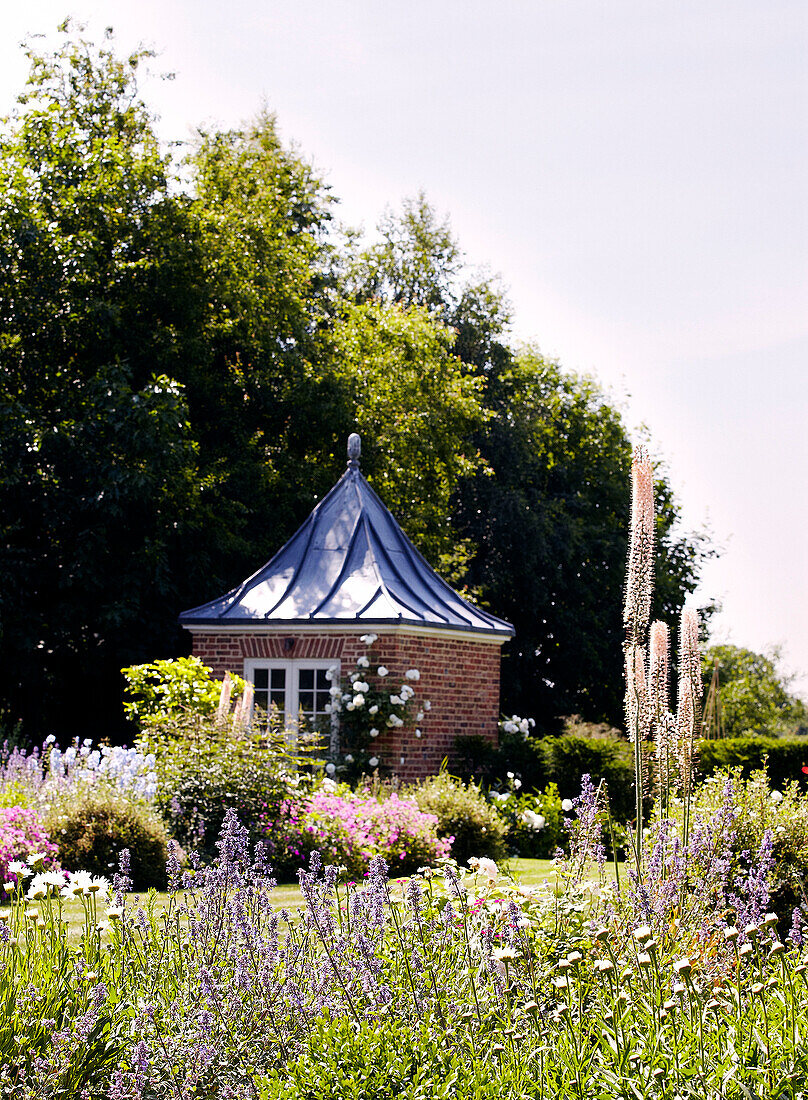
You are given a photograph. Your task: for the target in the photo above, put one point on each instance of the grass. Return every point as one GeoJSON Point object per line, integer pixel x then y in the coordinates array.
{"type": "Point", "coordinates": [528, 872]}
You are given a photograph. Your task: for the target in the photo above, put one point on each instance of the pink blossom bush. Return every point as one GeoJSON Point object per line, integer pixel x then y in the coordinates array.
{"type": "Point", "coordinates": [351, 829]}
{"type": "Point", "coordinates": [21, 835]}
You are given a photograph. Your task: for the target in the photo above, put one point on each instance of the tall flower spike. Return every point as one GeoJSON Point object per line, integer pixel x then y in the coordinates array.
{"type": "Point", "coordinates": [640, 568]}
{"type": "Point", "coordinates": [224, 698]}
{"type": "Point", "coordinates": [638, 712]}
{"type": "Point", "coordinates": [690, 661]}
{"type": "Point", "coordinates": [658, 670]}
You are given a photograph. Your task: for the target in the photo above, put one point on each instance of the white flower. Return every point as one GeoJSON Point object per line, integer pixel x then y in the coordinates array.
{"type": "Point", "coordinates": [334, 692]}
{"type": "Point", "coordinates": [358, 701]}
{"type": "Point", "coordinates": [776, 796]}
{"type": "Point", "coordinates": [488, 868]}
{"type": "Point", "coordinates": [413, 674]}
{"type": "Point", "coordinates": [49, 739]}
{"type": "Point", "coordinates": [115, 912]}
{"type": "Point", "coordinates": [427, 705]}
{"type": "Point", "coordinates": [329, 674]}
{"type": "Point", "coordinates": [396, 700]}
{"type": "Point", "coordinates": [419, 716]}
{"type": "Point", "coordinates": [406, 692]}
{"type": "Point", "coordinates": [21, 870]}
{"type": "Point", "coordinates": [36, 859]}
{"type": "Point", "coordinates": [418, 733]}
{"type": "Point", "coordinates": [566, 805]}
{"type": "Point", "coordinates": [395, 721]}
{"type": "Point", "coordinates": [330, 768]}
{"type": "Point", "coordinates": [509, 727]}
{"type": "Point", "coordinates": [374, 732]}
{"type": "Point", "coordinates": [362, 662]}
{"type": "Point", "coordinates": [382, 671]}
{"type": "Point", "coordinates": [373, 710]}
{"type": "Point", "coordinates": [533, 820]}
{"type": "Point", "coordinates": [360, 685]}
{"type": "Point", "coordinates": [328, 785]}
{"type": "Point", "coordinates": [374, 762]}
{"type": "Point", "coordinates": [509, 775]}
{"type": "Point", "coordinates": [327, 708]}
{"type": "Point", "coordinates": [348, 758]}
{"type": "Point", "coordinates": [350, 706]}
{"type": "Point", "coordinates": [368, 639]}
{"type": "Point", "coordinates": [80, 882]}
{"type": "Point", "coordinates": [100, 886]}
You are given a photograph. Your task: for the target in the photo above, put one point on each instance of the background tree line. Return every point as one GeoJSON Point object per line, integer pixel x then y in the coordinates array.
{"type": "Point", "coordinates": [185, 345]}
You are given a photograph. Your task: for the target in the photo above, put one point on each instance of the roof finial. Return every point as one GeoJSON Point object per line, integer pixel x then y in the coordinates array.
{"type": "Point", "coordinates": [354, 451]}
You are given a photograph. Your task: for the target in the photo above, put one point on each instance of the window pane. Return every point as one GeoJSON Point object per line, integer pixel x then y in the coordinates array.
{"type": "Point", "coordinates": [279, 678]}
{"type": "Point", "coordinates": [261, 679]}
{"type": "Point", "coordinates": [306, 679]}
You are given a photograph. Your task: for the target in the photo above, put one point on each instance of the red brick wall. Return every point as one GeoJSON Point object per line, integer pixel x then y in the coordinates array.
{"type": "Point", "coordinates": [459, 676]}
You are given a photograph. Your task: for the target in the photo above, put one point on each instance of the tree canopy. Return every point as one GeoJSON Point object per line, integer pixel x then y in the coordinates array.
{"type": "Point", "coordinates": [184, 348]}
{"type": "Point", "coordinates": [753, 693]}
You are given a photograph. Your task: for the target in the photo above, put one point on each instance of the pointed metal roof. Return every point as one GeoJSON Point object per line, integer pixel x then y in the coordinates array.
{"type": "Point", "coordinates": [350, 562]}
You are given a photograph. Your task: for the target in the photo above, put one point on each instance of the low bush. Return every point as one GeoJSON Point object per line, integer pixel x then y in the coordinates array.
{"type": "Point", "coordinates": [93, 826]}
{"type": "Point", "coordinates": [22, 834]}
{"type": "Point", "coordinates": [535, 822]}
{"type": "Point", "coordinates": [463, 813]}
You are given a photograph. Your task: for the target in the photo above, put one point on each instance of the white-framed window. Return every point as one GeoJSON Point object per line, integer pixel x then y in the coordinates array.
{"type": "Point", "coordinates": [295, 688]}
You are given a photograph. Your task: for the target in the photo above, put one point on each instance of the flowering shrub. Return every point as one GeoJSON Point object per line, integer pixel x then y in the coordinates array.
{"type": "Point", "coordinates": [128, 771]}
{"type": "Point", "coordinates": [350, 829]}
{"type": "Point", "coordinates": [22, 834]}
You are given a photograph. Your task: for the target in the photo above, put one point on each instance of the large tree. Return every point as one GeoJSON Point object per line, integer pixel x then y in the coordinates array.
{"type": "Point", "coordinates": [543, 517]}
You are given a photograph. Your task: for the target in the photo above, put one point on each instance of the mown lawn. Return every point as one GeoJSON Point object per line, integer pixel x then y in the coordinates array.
{"type": "Point", "coordinates": [528, 872]}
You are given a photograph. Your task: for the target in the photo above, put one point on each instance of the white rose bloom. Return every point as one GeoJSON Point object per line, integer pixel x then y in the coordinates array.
{"type": "Point", "coordinates": [350, 706]}
{"type": "Point", "coordinates": [419, 716]}
{"type": "Point", "coordinates": [382, 671]}
{"type": "Point", "coordinates": [374, 762]}
{"type": "Point", "coordinates": [566, 805]}
{"type": "Point", "coordinates": [776, 796]}
{"type": "Point", "coordinates": [348, 758]}
{"type": "Point", "coordinates": [517, 783]}
{"type": "Point", "coordinates": [488, 868]}
{"type": "Point", "coordinates": [373, 710]}
{"type": "Point", "coordinates": [509, 775]}
{"type": "Point", "coordinates": [509, 727]}
{"type": "Point", "coordinates": [395, 721]}
{"type": "Point", "coordinates": [427, 705]}
{"type": "Point", "coordinates": [330, 768]}
{"type": "Point", "coordinates": [334, 692]}
{"type": "Point", "coordinates": [327, 708]}
{"type": "Point", "coordinates": [396, 700]}
{"type": "Point", "coordinates": [418, 733]}
{"type": "Point", "coordinates": [358, 701]}
{"type": "Point", "coordinates": [362, 662]}
{"type": "Point", "coordinates": [374, 732]}
{"type": "Point", "coordinates": [329, 674]}
{"type": "Point", "coordinates": [413, 674]}
{"type": "Point", "coordinates": [368, 639]}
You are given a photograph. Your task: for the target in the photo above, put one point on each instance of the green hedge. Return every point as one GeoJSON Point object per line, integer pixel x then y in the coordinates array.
{"type": "Point", "coordinates": [785, 756]}
{"type": "Point", "coordinates": [540, 761]}
{"type": "Point", "coordinates": [563, 760]}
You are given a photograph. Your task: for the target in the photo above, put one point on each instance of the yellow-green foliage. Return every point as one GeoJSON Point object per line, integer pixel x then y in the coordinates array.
{"type": "Point", "coordinates": [463, 812]}
{"type": "Point", "coordinates": [164, 690]}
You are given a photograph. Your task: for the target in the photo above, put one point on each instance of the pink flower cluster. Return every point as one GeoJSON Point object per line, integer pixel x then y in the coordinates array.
{"type": "Point", "coordinates": [350, 829]}
{"type": "Point", "coordinates": [21, 835]}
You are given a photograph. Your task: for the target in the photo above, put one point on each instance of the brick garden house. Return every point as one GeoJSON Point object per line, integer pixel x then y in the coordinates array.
{"type": "Point", "coordinates": [348, 571]}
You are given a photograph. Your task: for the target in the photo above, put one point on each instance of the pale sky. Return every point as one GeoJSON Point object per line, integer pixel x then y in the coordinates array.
{"type": "Point", "coordinates": [635, 170]}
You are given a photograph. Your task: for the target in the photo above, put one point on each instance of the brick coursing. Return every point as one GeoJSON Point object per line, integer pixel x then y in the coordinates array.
{"type": "Point", "coordinates": [459, 676]}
